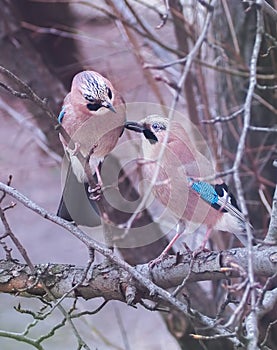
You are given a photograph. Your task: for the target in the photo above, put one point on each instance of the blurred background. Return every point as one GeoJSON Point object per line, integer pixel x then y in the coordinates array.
{"type": "Point", "coordinates": [45, 43]}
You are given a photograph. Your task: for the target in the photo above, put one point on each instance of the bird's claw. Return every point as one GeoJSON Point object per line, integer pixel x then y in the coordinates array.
{"type": "Point", "coordinates": [97, 188]}
{"type": "Point", "coordinates": [196, 252]}
{"type": "Point", "coordinates": [95, 192]}
{"type": "Point", "coordinates": [95, 198]}
{"type": "Point", "coordinates": [199, 250]}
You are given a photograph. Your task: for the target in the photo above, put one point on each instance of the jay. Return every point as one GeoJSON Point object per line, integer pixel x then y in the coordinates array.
{"type": "Point", "coordinates": [180, 184]}
{"type": "Point", "coordinates": [93, 115]}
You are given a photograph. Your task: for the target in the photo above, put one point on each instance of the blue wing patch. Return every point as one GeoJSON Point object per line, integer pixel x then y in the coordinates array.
{"type": "Point", "coordinates": [61, 115]}
{"type": "Point", "coordinates": [217, 196]}
{"type": "Point", "coordinates": [206, 191]}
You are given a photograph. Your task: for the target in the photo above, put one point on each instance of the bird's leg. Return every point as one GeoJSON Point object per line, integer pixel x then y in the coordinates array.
{"type": "Point", "coordinates": [202, 247]}
{"type": "Point", "coordinates": [99, 178]}
{"type": "Point", "coordinates": [170, 244]}
{"type": "Point", "coordinates": [206, 238]}
{"type": "Point", "coordinates": [179, 231]}
{"type": "Point", "coordinates": [96, 190]}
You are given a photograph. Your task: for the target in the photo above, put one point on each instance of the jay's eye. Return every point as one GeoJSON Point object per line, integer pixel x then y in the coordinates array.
{"type": "Point", "coordinates": [109, 91]}
{"type": "Point", "coordinates": [93, 106]}
{"type": "Point", "coordinates": [158, 126]}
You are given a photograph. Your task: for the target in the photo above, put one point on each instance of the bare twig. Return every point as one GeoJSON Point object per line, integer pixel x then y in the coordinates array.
{"type": "Point", "coordinates": [28, 93]}
{"type": "Point", "coordinates": [262, 129]}
{"type": "Point", "coordinates": [38, 135]}
{"type": "Point", "coordinates": [146, 28]}
{"type": "Point", "coordinates": [231, 26]}
{"type": "Point", "coordinates": [122, 328]}
{"type": "Point", "coordinates": [271, 236]}
{"type": "Point", "coordinates": [61, 33]}
{"type": "Point", "coordinates": [268, 9]}
{"type": "Point", "coordinates": [265, 103]}
{"type": "Point", "coordinates": [240, 308]}
{"type": "Point", "coordinates": [164, 16]}
{"type": "Point", "coordinates": [25, 256]}
{"type": "Point", "coordinates": [268, 330]}
{"type": "Point", "coordinates": [268, 303]}
{"type": "Point", "coordinates": [212, 337]}
{"type": "Point", "coordinates": [230, 71]}
{"type": "Point", "coordinates": [21, 338]}
{"type": "Point", "coordinates": [16, 242]}
{"type": "Point", "coordinates": [264, 200]}
{"type": "Point", "coordinates": [220, 119]}
{"type": "Point", "coordinates": [252, 329]}
{"type": "Point", "coordinates": [266, 87]}
{"type": "Point", "coordinates": [93, 312]}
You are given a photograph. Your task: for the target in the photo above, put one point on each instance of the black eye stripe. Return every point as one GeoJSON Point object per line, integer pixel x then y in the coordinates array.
{"type": "Point", "coordinates": [93, 106]}
{"type": "Point", "coordinates": [150, 136]}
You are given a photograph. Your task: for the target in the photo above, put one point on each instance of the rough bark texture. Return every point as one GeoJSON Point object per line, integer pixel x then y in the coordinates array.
{"type": "Point", "coordinates": [110, 282]}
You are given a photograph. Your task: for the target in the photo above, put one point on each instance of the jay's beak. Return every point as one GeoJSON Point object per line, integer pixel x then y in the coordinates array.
{"type": "Point", "coordinates": [109, 106]}
{"type": "Point", "coordinates": [134, 126]}
{"type": "Point", "coordinates": [138, 127]}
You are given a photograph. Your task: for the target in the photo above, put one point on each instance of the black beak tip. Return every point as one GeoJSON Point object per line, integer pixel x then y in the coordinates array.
{"type": "Point", "coordinates": [134, 126]}
{"type": "Point", "coordinates": [137, 127]}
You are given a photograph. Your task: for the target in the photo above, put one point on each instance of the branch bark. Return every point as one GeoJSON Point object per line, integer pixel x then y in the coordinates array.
{"type": "Point", "coordinates": [112, 282]}
{"type": "Point", "coordinates": [271, 236]}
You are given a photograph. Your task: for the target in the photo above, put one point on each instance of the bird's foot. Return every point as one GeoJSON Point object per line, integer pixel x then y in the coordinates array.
{"type": "Point", "coordinates": [157, 260]}
{"type": "Point", "coordinates": [196, 252]}
{"type": "Point", "coordinates": [95, 192]}
{"type": "Point", "coordinates": [199, 250]}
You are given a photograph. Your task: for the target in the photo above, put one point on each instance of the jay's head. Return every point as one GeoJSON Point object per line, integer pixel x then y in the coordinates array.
{"type": "Point", "coordinates": [93, 91]}
{"type": "Point", "coordinates": [153, 128]}
{"type": "Point", "coordinates": [157, 130]}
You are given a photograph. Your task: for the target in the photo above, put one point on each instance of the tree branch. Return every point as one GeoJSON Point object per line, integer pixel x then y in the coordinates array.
{"type": "Point", "coordinates": [271, 236]}
{"type": "Point", "coordinates": [124, 282]}
{"type": "Point", "coordinates": [252, 325]}
{"type": "Point", "coordinates": [111, 283]}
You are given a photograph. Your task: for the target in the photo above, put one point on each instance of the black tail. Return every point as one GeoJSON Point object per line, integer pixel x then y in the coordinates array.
{"type": "Point", "coordinates": [75, 204]}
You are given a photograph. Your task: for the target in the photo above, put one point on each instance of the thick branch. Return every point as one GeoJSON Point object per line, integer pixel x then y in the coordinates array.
{"type": "Point", "coordinates": [113, 282]}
